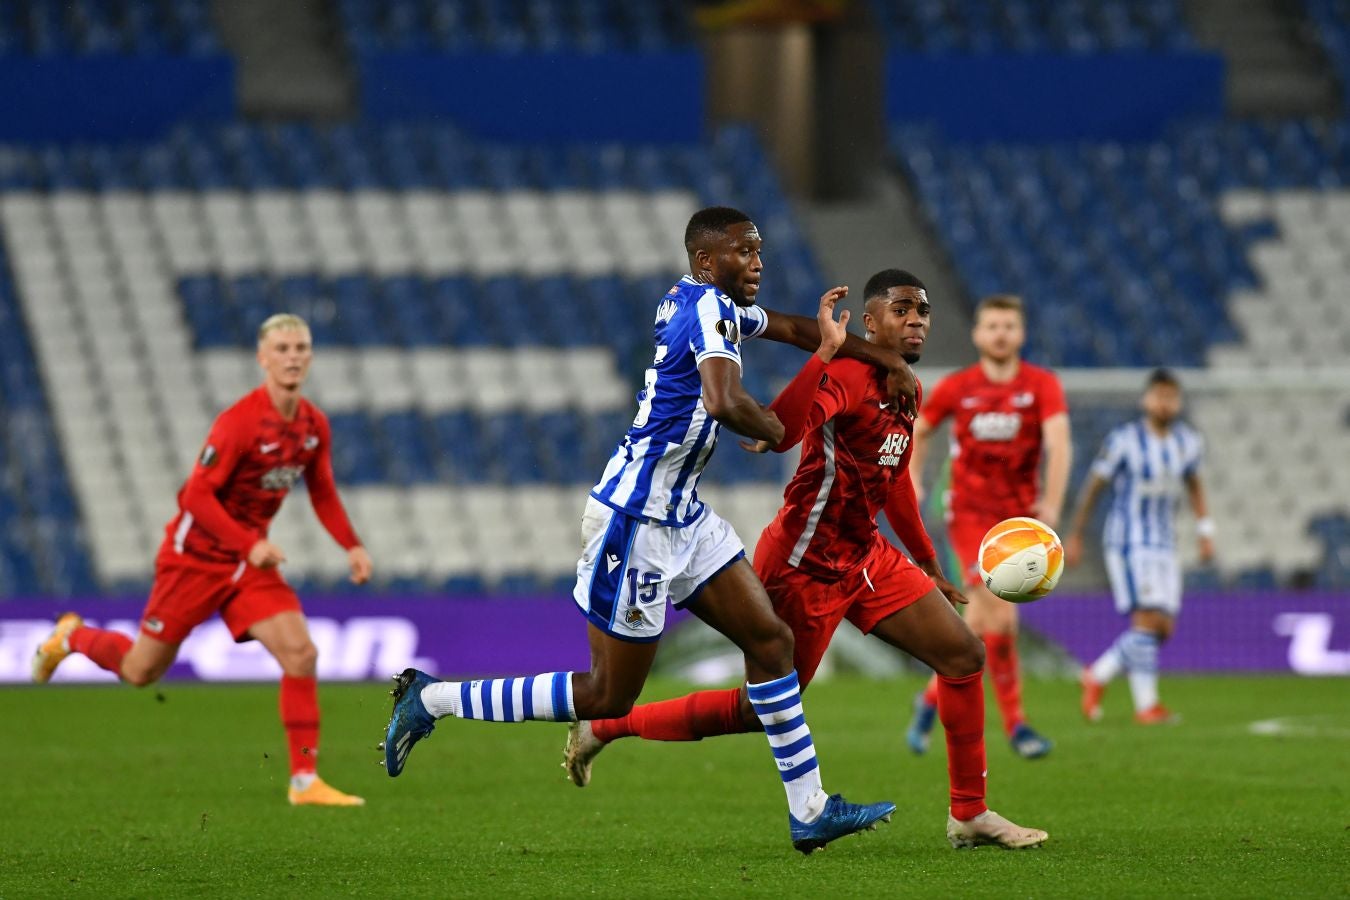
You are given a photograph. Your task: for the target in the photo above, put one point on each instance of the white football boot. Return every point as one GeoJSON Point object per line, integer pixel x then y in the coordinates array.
{"type": "Point", "coordinates": [991, 828]}
{"type": "Point", "coordinates": [579, 752]}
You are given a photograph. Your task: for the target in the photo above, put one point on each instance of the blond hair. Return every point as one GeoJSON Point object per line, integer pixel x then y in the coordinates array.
{"type": "Point", "coordinates": [278, 322]}
{"type": "Point", "coordinates": [1002, 301]}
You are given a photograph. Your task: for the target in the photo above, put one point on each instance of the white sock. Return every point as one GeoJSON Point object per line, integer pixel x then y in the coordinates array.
{"type": "Point", "coordinates": [546, 697]}
{"type": "Point", "coordinates": [302, 780]}
{"type": "Point", "coordinates": [778, 704]}
{"type": "Point", "coordinates": [1109, 664]}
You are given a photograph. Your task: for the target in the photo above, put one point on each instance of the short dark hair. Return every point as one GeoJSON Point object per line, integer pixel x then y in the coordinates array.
{"type": "Point", "coordinates": [709, 222]}
{"type": "Point", "coordinates": [886, 279]}
{"type": "Point", "coordinates": [1162, 376]}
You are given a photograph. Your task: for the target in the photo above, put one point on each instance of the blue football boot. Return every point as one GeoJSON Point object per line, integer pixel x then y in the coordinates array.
{"type": "Point", "coordinates": [410, 721]}
{"type": "Point", "coordinates": [839, 818]}
{"type": "Point", "coordinates": [925, 714]}
{"type": "Point", "coordinates": [1029, 743]}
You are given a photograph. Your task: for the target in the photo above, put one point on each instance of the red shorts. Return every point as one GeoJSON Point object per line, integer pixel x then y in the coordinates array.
{"type": "Point", "coordinates": [965, 535]}
{"type": "Point", "coordinates": [186, 593]}
{"type": "Point", "coordinates": [885, 583]}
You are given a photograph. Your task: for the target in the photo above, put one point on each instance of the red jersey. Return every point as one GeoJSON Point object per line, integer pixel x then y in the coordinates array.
{"type": "Point", "coordinates": [251, 458]}
{"type": "Point", "coordinates": [996, 438]}
{"type": "Point", "coordinates": [855, 455]}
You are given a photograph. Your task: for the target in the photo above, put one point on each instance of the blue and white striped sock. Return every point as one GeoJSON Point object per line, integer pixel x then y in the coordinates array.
{"type": "Point", "coordinates": [546, 697]}
{"type": "Point", "coordinates": [778, 704]}
{"type": "Point", "coordinates": [1140, 649]}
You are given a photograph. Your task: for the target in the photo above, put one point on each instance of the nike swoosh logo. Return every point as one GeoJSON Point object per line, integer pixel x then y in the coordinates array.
{"type": "Point", "coordinates": [884, 405]}
{"type": "Point", "coordinates": [613, 561]}
{"type": "Point", "coordinates": [268, 448]}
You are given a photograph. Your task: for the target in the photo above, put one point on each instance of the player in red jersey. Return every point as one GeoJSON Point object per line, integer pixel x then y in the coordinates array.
{"type": "Point", "coordinates": [823, 560]}
{"type": "Point", "coordinates": [216, 557]}
{"type": "Point", "coordinates": [1004, 413]}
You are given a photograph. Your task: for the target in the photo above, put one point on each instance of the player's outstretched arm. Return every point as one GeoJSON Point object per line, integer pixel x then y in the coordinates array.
{"type": "Point", "coordinates": [803, 332]}
{"type": "Point", "coordinates": [727, 401]}
{"type": "Point", "coordinates": [810, 399]}
{"type": "Point", "coordinates": [1073, 542]}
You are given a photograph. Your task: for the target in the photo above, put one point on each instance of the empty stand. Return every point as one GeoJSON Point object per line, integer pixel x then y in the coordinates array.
{"type": "Point", "coordinates": [478, 312]}
{"type": "Point", "coordinates": [449, 26]}
{"type": "Point", "coordinates": [1223, 247]}
{"type": "Point", "coordinates": [1033, 26]}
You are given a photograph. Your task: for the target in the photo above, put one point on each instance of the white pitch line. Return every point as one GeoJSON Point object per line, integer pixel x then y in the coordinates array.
{"type": "Point", "coordinates": [1298, 726]}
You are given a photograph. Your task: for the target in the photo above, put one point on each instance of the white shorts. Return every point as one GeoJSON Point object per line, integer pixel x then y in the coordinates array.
{"type": "Point", "coordinates": [1144, 578]}
{"type": "Point", "coordinates": [630, 567]}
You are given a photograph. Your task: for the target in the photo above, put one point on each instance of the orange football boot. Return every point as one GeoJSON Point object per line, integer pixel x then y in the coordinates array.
{"type": "Point", "coordinates": [1157, 715]}
{"type": "Point", "coordinates": [321, 793]}
{"type": "Point", "coordinates": [1092, 697]}
{"type": "Point", "coordinates": [54, 649]}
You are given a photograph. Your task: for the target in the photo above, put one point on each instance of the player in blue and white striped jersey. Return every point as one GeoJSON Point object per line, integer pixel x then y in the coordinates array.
{"type": "Point", "coordinates": [655, 469]}
{"type": "Point", "coordinates": [648, 539]}
{"type": "Point", "coordinates": [1149, 465]}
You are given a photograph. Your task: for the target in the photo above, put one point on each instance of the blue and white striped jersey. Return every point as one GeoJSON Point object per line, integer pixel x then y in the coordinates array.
{"type": "Point", "coordinates": [654, 471]}
{"type": "Point", "coordinates": [1147, 474]}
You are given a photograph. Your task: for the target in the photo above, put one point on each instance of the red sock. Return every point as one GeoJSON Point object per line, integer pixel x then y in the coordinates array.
{"type": "Point", "coordinates": [960, 703]}
{"type": "Point", "coordinates": [930, 691]}
{"type": "Point", "coordinates": [104, 647]}
{"type": "Point", "coordinates": [300, 717]}
{"type": "Point", "coordinates": [1003, 670]}
{"type": "Point", "coordinates": [689, 718]}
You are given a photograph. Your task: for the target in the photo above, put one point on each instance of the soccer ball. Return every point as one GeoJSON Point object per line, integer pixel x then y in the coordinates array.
{"type": "Point", "coordinates": [1021, 559]}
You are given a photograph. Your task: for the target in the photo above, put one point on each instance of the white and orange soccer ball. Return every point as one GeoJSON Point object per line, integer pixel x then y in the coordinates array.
{"type": "Point", "coordinates": [1021, 559]}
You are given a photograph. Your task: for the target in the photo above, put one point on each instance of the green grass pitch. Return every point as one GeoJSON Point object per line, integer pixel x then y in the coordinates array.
{"type": "Point", "coordinates": [180, 790]}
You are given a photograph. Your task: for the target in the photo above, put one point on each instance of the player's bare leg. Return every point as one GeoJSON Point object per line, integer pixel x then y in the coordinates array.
{"type": "Point", "coordinates": [611, 659]}
{"type": "Point", "coordinates": [931, 631]}
{"type": "Point", "coordinates": [139, 662]}
{"type": "Point", "coordinates": [286, 637]}
{"type": "Point", "coordinates": [147, 660]}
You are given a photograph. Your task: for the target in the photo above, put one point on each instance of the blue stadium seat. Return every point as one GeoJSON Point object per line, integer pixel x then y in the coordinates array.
{"type": "Point", "coordinates": [1033, 26]}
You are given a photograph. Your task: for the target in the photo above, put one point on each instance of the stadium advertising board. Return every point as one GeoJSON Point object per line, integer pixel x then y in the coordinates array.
{"type": "Point", "coordinates": [370, 638]}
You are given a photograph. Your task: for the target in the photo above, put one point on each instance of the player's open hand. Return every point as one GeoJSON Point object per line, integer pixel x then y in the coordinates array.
{"type": "Point", "coordinates": [265, 555]}
{"type": "Point", "coordinates": [832, 333]}
{"type": "Point", "coordinates": [1045, 512]}
{"type": "Point", "coordinates": [359, 560]}
{"type": "Point", "coordinates": [949, 590]}
{"type": "Point", "coordinates": [1206, 547]}
{"type": "Point", "coordinates": [1073, 549]}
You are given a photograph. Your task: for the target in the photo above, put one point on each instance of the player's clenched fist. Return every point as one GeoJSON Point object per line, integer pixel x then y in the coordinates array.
{"type": "Point", "coordinates": [265, 555]}
{"type": "Point", "coordinates": [359, 560]}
